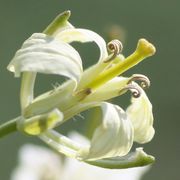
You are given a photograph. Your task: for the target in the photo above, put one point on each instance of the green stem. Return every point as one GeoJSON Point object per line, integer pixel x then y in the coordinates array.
{"type": "Point", "coordinates": [8, 127]}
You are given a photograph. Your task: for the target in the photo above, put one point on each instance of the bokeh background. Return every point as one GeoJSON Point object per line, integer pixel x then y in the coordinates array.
{"type": "Point", "coordinates": [156, 20]}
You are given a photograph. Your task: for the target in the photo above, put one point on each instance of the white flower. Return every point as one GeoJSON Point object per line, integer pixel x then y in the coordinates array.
{"type": "Point", "coordinates": [51, 53]}
{"type": "Point", "coordinates": [39, 163]}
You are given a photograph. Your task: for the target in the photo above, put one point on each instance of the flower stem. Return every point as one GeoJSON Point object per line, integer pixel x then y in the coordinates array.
{"type": "Point", "coordinates": [9, 127]}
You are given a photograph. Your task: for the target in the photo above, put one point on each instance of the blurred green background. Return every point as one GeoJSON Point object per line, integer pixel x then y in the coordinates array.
{"type": "Point", "coordinates": [156, 20]}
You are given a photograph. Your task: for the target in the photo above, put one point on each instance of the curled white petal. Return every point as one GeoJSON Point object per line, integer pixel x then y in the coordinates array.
{"type": "Point", "coordinates": [114, 137]}
{"type": "Point", "coordinates": [140, 113]}
{"type": "Point", "coordinates": [44, 54]}
{"type": "Point", "coordinates": [84, 35]}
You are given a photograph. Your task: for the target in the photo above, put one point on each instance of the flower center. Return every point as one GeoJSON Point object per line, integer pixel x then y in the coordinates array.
{"type": "Point", "coordinates": [144, 49]}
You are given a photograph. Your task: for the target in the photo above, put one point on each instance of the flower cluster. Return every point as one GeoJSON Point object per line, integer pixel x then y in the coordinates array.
{"type": "Point", "coordinates": [50, 52]}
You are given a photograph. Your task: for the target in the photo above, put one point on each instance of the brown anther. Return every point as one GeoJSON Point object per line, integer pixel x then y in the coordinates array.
{"type": "Point", "coordinates": [114, 47]}
{"type": "Point", "coordinates": [87, 91]}
{"type": "Point", "coordinates": [145, 82]}
{"type": "Point", "coordinates": [135, 90]}
{"type": "Point", "coordinates": [83, 93]}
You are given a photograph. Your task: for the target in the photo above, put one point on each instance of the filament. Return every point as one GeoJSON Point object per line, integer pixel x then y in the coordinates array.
{"type": "Point", "coordinates": [145, 82]}
{"type": "Point", "coordinates": [135, 90]}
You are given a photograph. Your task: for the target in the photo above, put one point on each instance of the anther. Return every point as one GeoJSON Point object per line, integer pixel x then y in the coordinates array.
{"type": "Point", "coordinates": [83, 93]}
{"type": "Point", "coordinates": [114, 47]}
{"type": "Point", "coordinates": [144, 81]}
{"type": "Point", "coordinates": [135, 90]}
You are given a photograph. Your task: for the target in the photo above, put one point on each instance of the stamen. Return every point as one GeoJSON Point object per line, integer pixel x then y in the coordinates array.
{"type": "Point", "coordinates": [135, 90]}
{"type": "Point", "coordinates": [144, 49]}
{"type": "Point", "coordinates": [115, 47]}
{"type": "Point", "coordinates": [145, 82]}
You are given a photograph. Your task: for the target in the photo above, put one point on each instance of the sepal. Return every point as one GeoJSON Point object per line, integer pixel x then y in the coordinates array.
{"type": "Point", "coordinates": [134, 159]}
{"type": "Point", "coordinates": [38, 124]}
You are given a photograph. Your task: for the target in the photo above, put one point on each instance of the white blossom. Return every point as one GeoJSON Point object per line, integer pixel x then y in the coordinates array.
{"type": "Point", "coordinates": [53, 54]}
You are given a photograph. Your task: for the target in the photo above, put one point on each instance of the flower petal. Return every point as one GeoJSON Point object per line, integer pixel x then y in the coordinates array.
{"type": "Point", "coordinates": [84, 35]}
{"type": "Point", "coordinates": [114, 137]}
{"type": "Point", "coordinates": [140, 113]}
{"type": "Point", "coordinates": [44, 54]}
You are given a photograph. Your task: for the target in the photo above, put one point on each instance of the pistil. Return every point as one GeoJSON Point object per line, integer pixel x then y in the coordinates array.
{"type": "Point", "coordinates": [144, 49]}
